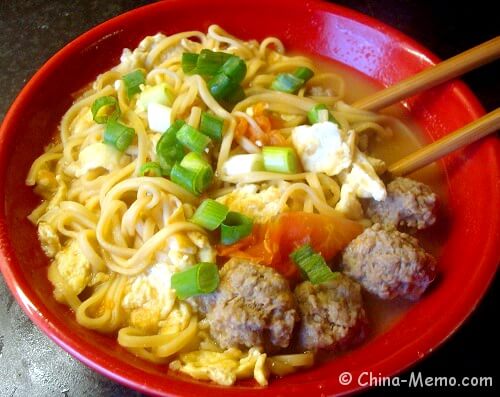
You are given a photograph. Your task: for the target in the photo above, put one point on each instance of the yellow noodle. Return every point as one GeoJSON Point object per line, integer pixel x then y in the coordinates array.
{"type": "Point", "coordinates": [123, 226]}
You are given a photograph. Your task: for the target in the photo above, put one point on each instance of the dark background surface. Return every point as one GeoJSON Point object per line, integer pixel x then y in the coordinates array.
{"type": "Point", "coordinates": [32, 31]}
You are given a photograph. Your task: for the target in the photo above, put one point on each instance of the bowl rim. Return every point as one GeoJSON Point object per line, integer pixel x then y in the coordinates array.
{"type": "Point", "coordinates": [17, 284]}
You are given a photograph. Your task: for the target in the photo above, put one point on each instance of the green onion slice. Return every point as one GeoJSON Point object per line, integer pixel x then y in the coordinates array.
{"type": "Point", "coordinates": [202, 278]}
{"type": "Point", "coordinates": [195, 181]}
{"type": "Point", "coordinates": [211, 126]}
{"type": "Point", "coordinates": [189, 61]}
{"type": "Point", "coordinates": [303, 73]}
{"type": "Point", "coordinates": [192, 139]}
{"type": "Point", "coordinates": [314, 114]}
{"type": "Point", "coordinates": [118, 135]}
{"type": "Point", "coordinates": [235, 227]}
{"type": "Point", "coordinates": [104, 109]}
{"type": "Point", "coordinates": [209, 62]}
{"type": "Point", "coordinates": [194, 161]}
{"type": "Point", "coordinates": [235, 68]}
{"type": "Point", "coordinates": [210, 214]}
{"type": "Point", "coordinates": [133, 82]}
{"type": "Point", "coordinates": [235, 96]}
{"type": "Point", "coordinates": [150, 169]}
{"type": "Point", "coordinates": [221, 86]}
{"type": "Point", "coordinates": [279, 159]}
{"type": "Point", "coordinates": [287, 82]}
{"type": "Point", "coordinates": [312, 265]}
{"type": "Point", "coordinates": [168, 150]}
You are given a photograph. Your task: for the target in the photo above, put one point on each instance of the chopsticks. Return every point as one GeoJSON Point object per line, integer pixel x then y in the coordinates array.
{"type": "Point", "coordinates": [430, 77]}
{"type": "Point", "coordinates": [469, 133]}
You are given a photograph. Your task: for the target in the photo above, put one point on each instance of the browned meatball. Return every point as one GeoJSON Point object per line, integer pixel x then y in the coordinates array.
{"type": "Point", "coordinates": [389, 263]}
{"type": "Point", "coordinates": [408, 203]}
{"type": "Point", "coordinates": [253, 306]}
{"type": "Point", "coordinates": [332, 314]}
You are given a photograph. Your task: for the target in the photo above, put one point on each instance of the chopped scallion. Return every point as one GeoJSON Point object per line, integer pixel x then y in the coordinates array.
{"type": "Point", "coordinates": [279, 159]}
{"type": "Point", "coordinates": [133, 82]}
{"type": "Point", "coordinates": [195, 162]}
{"type": "Point", "coordinates": [189, 61]}
{"type": "Point", "coordinates": [312, 265]}
{"type": "Point", "coordinates": [150, 169]}
{"type": "Point", "coordinates": [237, 95]}
{"type": "Point", "coordinates": [168, 150]}
{"type": "Point", "coordinates": [303, 73]}
{"type": "Point", "coordinates": [314, 114]}
{"type": "Point", "coordinates": [287, 82]}
{"type": "Point", "coordinates": [221, 86]}
{"type": "Point", "coordinates": [235, 68]}
{"type": "Point", "coordinates": [211, 126]}
{"type": "Point", "coordinates": [210, 214]}
{"type": "Point", "coordinates": [235, 227]}
{"type": "Point", "coordinates": [104, 109]}
{"type": "Point", "coordinates": [209, 62]}
{"type": "Point", "coordinates": [192, 139]}
{"type": "Point", "coordinates": [118, 135]}
{"type": "Point", "coordinates": [194, 181]}
{"type": "Point", "coordinates": [202, 278]}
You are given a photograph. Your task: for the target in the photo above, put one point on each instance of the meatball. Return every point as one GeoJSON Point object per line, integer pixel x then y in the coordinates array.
{"type": "Point", "coordinates": [253, 306]}
{"type": "Point", "coordinates": [332, 314]}
{"type": "Point", "coordinates": [408, 203]}
{"type": "Point", "coordinates": [389, 263]}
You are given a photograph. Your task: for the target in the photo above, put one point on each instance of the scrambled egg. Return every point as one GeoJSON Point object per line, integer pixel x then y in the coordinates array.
{"type": "Point", "coordinates": [224, 367]}
{"type": "Point", "coordinates": [131, 60]}
{"type": "Point", "coordinates": [185, 250]}
{"type": "Point", "coordinates": [364, 180]}
{"type": "Point", "coordinates": [348, 204]}
{"type": "Point", "coordinates": [49, 239]}
{"type": "Point", "coordinates": [148, 298]}
{"type": "Point", "coordinates": [259, 203]}
{"type": "Point", "coordinates": [137, 59]}
{"type": "Point", "coordinates": [323, 147]}
{"type": "Point", "coordinates": [95, 156]}
{"type": "Point", "coordinates": [74, 269]}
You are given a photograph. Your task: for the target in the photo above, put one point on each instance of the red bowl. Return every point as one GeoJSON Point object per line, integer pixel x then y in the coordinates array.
{"type": "Point", "coordinates": [470, 254]}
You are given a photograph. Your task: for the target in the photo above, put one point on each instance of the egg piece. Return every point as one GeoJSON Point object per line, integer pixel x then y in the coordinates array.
{"type": "Point", "coordinates": [224, 367]}
{"type": "Point", "coordinates": [349, 204]}
{"type": "Point", "coordinates": [363, 179]}
{"type": "Point", "coordinates": [323, 147]}
{"type": "Point", "coordinates": [148, 297]}
{"type": "Point", "coordinates": [97, 155]}
{"type": "Point", "coordinates": [73, 268]}
{"type": "Point", "coordinates": [260, 204]}
{"type": "Point", "coordinates": [49, 239]}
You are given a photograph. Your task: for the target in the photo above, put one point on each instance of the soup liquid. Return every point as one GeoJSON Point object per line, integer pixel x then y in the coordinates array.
{"type": "Point", "coordinates": [382, 314]}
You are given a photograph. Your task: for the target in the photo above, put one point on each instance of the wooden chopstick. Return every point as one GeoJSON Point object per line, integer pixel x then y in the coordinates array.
{"type": "Point", "coordinates": [469, 133]}
{"type": "Point", "coordinates": [428, 78]}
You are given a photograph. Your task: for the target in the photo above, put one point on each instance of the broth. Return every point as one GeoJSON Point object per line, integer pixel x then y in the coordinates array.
{"type": "Point", "coordinates": [382, 314]}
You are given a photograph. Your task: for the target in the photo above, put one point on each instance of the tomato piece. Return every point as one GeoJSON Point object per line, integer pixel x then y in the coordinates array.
{"type": "Point", "coordinates": [327, 234]}
{"type": "Point", "coordinates": [271, 244]}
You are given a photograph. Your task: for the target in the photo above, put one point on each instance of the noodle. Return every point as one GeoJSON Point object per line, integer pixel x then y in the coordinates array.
{"type": "Point", "coordinates": [121, 229]}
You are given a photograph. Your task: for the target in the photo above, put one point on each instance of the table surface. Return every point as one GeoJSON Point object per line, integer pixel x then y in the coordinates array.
{"type": "Point", "coordinates": [33, 30]}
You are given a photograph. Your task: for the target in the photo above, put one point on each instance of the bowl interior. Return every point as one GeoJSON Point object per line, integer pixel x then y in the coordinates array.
{"type": "Point", "coordinates": [469, 255]}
